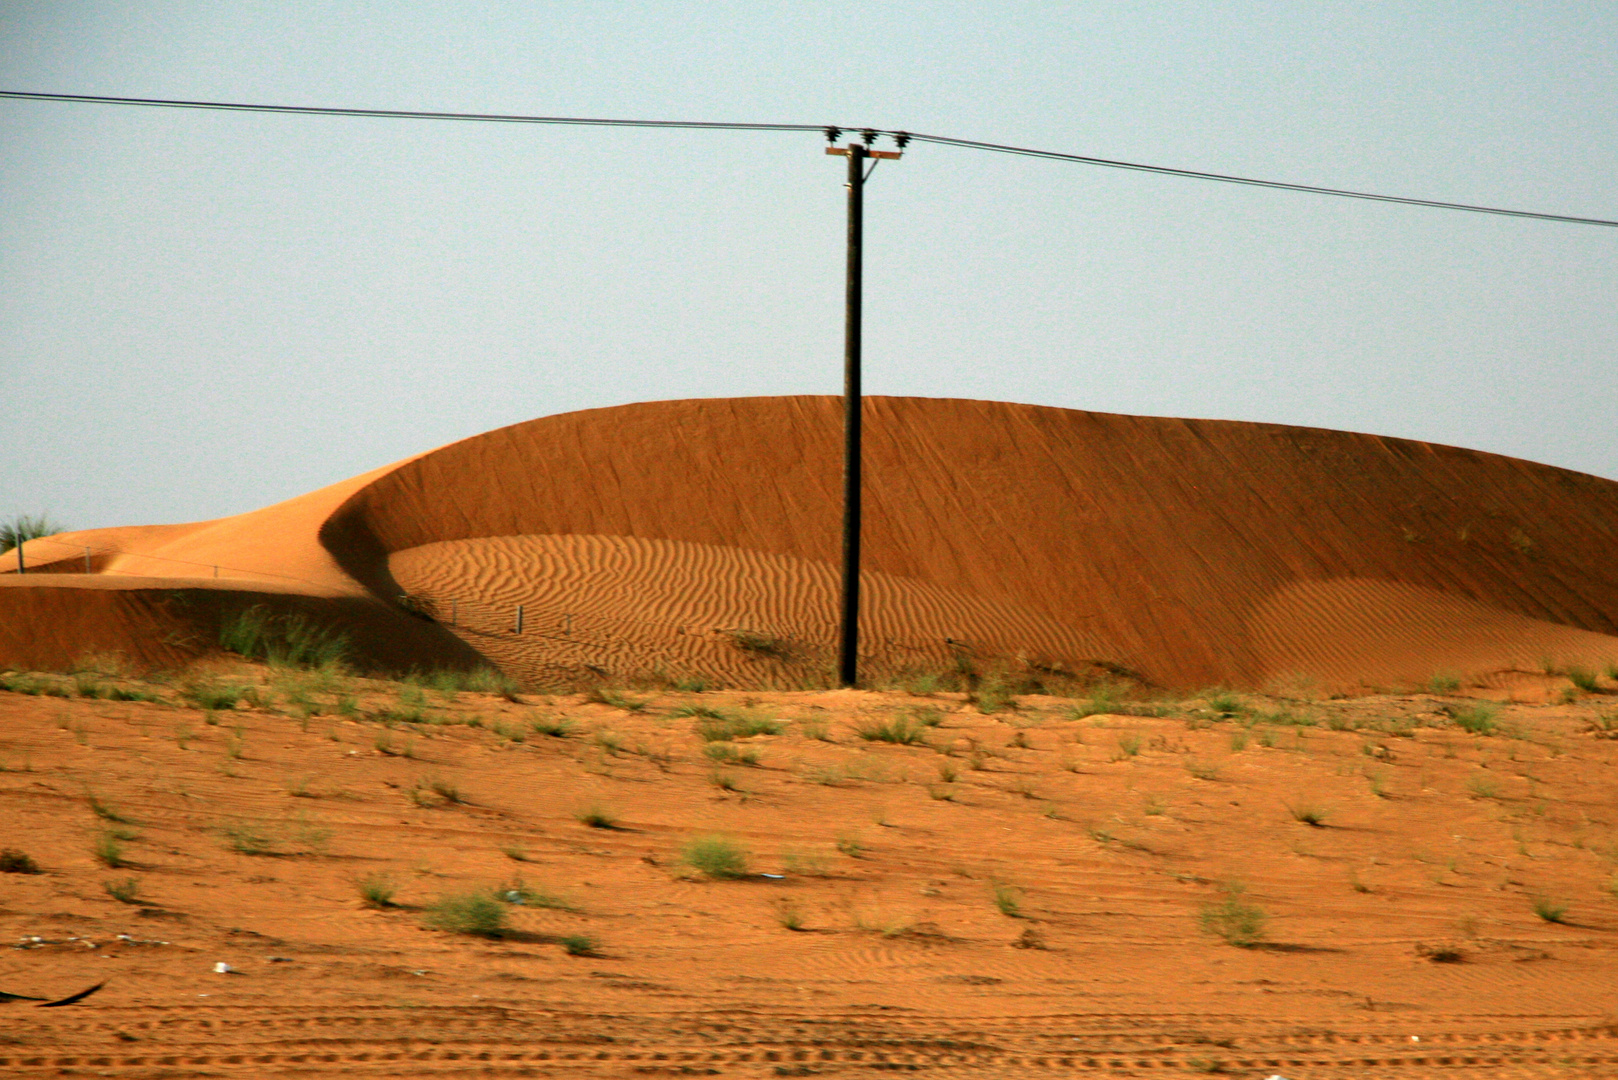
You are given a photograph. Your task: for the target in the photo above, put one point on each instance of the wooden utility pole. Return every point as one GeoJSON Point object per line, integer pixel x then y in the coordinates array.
{"type": "Point", "coordinates": [857, 152]}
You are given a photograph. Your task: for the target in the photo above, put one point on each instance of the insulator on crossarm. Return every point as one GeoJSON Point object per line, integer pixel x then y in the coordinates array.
{"type": "Point", "coordinates": [869, 135]}
{"type": "Point", "coordinates": [902, 138]}
{"type": "Point", "coordinates": [833, 133]}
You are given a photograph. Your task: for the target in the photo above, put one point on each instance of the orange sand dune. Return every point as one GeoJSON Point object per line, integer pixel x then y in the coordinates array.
{"type": "Point", "coordinates": [702, 536]}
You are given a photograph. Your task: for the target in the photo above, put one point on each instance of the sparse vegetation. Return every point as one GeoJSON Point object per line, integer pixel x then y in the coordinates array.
{"type": "Point", "coordinates": [13, 861]}
{"type": "Point", "coordinates": [1479, 718]}
{"type": "Point", "coordinates": [213, 696]}
{"type": "Point", "coordinates": [1309, 813]}
{"type": "Point", "coordinates": [814, 729]}
{"type": "Point", "coordinates": [555, 727]}
{"type": "Point", "coordinates": [894, 729]}
{"type": "Point", "coordinates": [1236, 922]}
{"type": "Point", "coordinates": [1549, 909]}
{"type": "Point", "coordinates": [993, 695]}
{"type": "Point", "coordinates": [287, 640]}
{"type": "Point", "coordinates": [1129, 745]}
{"type": "Point", "coordinates": [524, 895]}
{"type": "Point", "coordinates": [715, 856]}
{"type": "Point", "coordinates": [716, 726]}
{"type": "Point", "coordinates": [377, 890]}
{"type": "Point", "coordinates": [602, 695]}
{"type": "Point", "coordinates": [578, 945]}
{"type": "Point", "coordinates": [126, 891]}
{"type": "Point", "coordinates": [247, 838]}
{"type": "Point", "coordinates": [789, 915]}
{"type": "Point", "coordinates": [1442, 954]}
{"type": "Point", "coordinates": [478, 914]}
{"type": "Point", "coordinates": [445, 789]}
{"type": "Point", "coordinates": [1007, 899]}
{"type": "Point", "coordinates": [761, 644]}
{"type": "Point", "coordinates": [487, 680]}
{"type": "Point", "coordinates": [725, 753]}
{"type": "Point", "coordinates": [596, 816]}
{"type": "Point", "coordinates": [680, 712]}
{"type": "Point", "coordinates": [106, 811]}
{"type": "Point", "coordinates": [1443, 683]}
{"type": "Point", "coordinates": [109, 849]}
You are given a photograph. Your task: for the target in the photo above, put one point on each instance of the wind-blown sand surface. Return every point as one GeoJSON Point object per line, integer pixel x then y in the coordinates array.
{"type": "Point", "coordinates": [1020, 894]}
{"type": "Point", "coordinates": [993, 884]}
{"type": "Point", "coordinates": [664, 537]}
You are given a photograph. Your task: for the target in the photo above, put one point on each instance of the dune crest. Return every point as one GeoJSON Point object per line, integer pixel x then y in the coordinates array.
{"type": "Point", "coordinates": [1194, 552]}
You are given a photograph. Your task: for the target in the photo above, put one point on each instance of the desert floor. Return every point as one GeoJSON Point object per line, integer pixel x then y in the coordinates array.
{"type": "Point", "coordinates": [1043, 890]}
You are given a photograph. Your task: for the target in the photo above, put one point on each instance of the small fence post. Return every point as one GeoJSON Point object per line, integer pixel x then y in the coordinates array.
{"type": "Point", "coordinates": [216, 571]}
{"type": "Point", "coordinates": [518, 630]}
{"type": "Point", "coordinates": [567, 625]}
{"type": "Point", "coordinates": [20, 568]}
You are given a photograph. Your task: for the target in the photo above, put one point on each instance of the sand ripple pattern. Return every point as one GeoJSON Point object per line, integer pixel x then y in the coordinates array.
{"type": "Point", "coordinates": [631, 605]}
{"type": "Point", "coordinates": [1373, 632]}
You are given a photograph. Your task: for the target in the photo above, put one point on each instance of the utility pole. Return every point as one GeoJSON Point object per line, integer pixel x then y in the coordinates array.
{"type": "Point", "coordinates": [857, 153]}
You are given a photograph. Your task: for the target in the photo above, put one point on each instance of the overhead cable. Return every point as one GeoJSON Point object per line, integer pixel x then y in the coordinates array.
{"type": "Point", "coordinates": [725, 125]}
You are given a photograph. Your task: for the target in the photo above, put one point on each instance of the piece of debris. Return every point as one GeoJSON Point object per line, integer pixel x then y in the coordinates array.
{"type": "Point", "coordinates": [48, 1004]}
{"type": "Point", "coordinates": [71, 998]}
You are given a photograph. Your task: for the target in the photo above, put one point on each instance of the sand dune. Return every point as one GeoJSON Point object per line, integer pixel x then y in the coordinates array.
{"type": "Point", "coordinates": [648, 537]}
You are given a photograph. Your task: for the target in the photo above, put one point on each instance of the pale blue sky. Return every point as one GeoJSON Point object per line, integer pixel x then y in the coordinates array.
{"type": "Point", "coordinates": [209, 312]}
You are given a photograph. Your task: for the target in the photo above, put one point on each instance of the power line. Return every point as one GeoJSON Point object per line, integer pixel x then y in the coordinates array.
{"type": "Point", "coordinates": [719, 125]}
{"type": "Point", "coordinates": [1279, 185]}
{"type": "Point", "coordinates": [409, 114]}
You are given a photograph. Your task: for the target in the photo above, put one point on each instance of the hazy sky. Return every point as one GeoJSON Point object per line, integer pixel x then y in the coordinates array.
{"type": "Point", "coordinates": [208, 312]}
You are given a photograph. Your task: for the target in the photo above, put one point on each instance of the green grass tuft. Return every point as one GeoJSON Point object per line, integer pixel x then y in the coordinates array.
{"type": "Point", "coordinates": [109, 850]}
{"type": "Point", "coordinates": [283, 640]}
{"type": "Point", "coordinates": [1238, 923]}
{"type": "Point", "coordinates": [902, 730]}
{"type": "Point", "coordinates": [579, 945]}
{"type": "Point", "coordinates": [377, 890]}
{"type": "Point", "coordinates": [479, 914]}
{"type": "Point", "coordinates": [724, 753]}
{"type": "Point", "coordinates": [107, 812]}
{"type": "Point", "coordinates": [247, 838]}
{"type": "Point", "coordinates": [1007, 899]}
{"type": "Point", "coordinates": [1481, 718]}
{"type": "Point", "coordinates": [1583, 678]}
{"type": "Point", "coordinates": [1552, 911]}
{"type": "Point", "coordinates": [126, 891]}
{"type": "Point", "coordinates": [601, 695]}
{"type": "Point", "coordinates": [715, 856]}
{"type": "Point", "coordinates": [213, 696]}
{"type": "Point", "coordinates": [716, 726]}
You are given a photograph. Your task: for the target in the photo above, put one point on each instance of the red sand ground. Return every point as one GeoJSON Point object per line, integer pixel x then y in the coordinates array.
{"type": "Point", "coordinates": [1022, 893]}
{"type": "Point", "coordinates": [646, 537]}
{"type": "Point", "coordinates": [1106, 835]}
